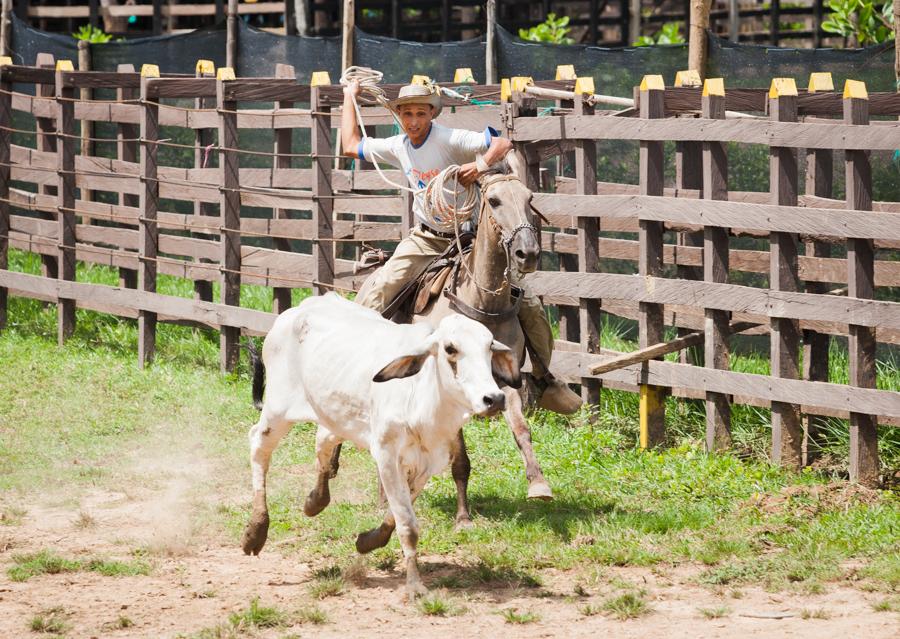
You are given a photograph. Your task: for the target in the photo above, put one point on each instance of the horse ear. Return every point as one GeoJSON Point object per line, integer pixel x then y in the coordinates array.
{"type": "Point", "coordinates": [515, 163]}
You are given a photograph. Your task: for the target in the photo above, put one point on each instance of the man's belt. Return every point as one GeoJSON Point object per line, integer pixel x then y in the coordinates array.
{"type": "Point", "coordinates": [428, 229]}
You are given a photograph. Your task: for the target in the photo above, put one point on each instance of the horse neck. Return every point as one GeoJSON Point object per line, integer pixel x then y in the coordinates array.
{"type": "Point", "coordinates": [488, 263]}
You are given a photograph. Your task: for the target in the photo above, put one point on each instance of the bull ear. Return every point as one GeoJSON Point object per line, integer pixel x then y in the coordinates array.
{"type": "Point", "coordinates": [406, 365]}
{"type": "Point", "coordinates": [505, 366]}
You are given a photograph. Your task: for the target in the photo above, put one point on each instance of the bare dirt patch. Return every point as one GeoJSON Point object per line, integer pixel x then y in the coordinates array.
{"type": "Point", "coordinates": [199, 577]}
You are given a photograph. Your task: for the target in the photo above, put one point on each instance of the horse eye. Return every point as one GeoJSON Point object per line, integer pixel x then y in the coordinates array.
{"type": "Point", "coordinates": [450, 350]}
{"type": "Point", "coordinates": [493, 201]}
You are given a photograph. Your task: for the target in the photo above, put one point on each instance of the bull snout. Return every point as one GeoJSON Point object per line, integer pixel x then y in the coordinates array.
{"type": "Point", "coordinates": [526, 253]}
{"type": "Point", "coordinates": [493, 403]}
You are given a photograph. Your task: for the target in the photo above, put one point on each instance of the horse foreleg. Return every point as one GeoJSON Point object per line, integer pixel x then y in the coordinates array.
{"type": "Point", "coordinates": [538, 488]}
{"type": "Point", "coordinates": [461, 469]}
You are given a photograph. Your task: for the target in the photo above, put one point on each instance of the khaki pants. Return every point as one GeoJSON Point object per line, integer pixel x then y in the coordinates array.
{"type": "Point", "coordinates": [413, 255]}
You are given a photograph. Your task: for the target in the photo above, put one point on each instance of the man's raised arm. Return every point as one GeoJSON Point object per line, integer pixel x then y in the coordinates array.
{"type": "Point", "coordinates": [350, 136]}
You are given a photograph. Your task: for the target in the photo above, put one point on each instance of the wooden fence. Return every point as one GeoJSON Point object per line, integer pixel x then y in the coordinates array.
{"type": "Point", "coordinates": [145, 218]}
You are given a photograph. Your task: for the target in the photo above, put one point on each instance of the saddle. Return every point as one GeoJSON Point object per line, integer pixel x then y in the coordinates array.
{"type": "Point", "coordinates": [419, 294]}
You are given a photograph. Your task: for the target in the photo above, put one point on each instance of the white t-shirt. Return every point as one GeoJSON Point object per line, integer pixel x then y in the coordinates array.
{"type": "Point", "coordinates": [442, 147]}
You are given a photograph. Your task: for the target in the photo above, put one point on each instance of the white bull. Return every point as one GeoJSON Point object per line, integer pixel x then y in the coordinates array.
{"type": "Point", "coordinates": [400, 391]}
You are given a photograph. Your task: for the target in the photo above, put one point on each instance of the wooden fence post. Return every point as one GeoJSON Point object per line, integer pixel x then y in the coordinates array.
{"type": "Point", "coordinates": [5, 208]}
{"type": "Point", "coordinates": [65, 197]}
{"type": "Point", "coordinates": [149, 204]}
{"type": "Point", "coordinates": [203, 289]}
{"type": "Point", "coordinates": [281, 296]}
{"type": "Point", "coordinates": [127, 151]}
{"type": "Point", "coordinates": [819, 182]}
{"type": "Point", "coordinates": [490, 55]}
{"type": "Point", "coordinates": [569, 321]}
{"type": "Point", "coordinates": [87, 127]}
{"type": "Point", "coordinates": [715, 269]}
{"type": "Point", "coordinates": [650, 236]}
{"type": "Point", "coordinates": [589, 313]}
{"type": "Point", "coordinates": [861, 285]}
{"type": "Point", "coordinates": [323, 209]}
{"type": "Point", "coordinates": [231, 35]}
{"type": "Point", "coordinates": [348, 26]}
{"type": "Point", "coordinates": [230, 220]}
{"type": "Point", "coordinates": [46, 141]}
{"type": "Point", "coordinates": [787, 428]}
{"type": "Point", "coordinates": [689, 175]}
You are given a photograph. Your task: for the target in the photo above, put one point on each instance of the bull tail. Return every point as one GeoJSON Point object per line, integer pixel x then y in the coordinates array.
{"type": "Point", "coordinates": [259, 374]}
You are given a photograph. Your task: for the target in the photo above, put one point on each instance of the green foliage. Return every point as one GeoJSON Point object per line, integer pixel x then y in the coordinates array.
{"type": "Point", "coordinates": [669, 34]}
{"type": "Point", "coordinates": [257, 616]}
{"type": "Point", "coordinates": [51, 620]}
{"type": "Point", "coordinates": [47, 562]}
{"type": "Point", "coordinates": [513, 616]}
{"type": "Point", "coordinates": [92, 34]}
{"type": "Point", "coordinates": [860, 22]}
{"type": "Point", "coordinates": [629, 605]}
{"type": "Point", "coordinates": [553, 31]}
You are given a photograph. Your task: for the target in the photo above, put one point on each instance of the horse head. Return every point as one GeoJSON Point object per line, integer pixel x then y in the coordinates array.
{"type": "Point", "coordinates": [507, 211]}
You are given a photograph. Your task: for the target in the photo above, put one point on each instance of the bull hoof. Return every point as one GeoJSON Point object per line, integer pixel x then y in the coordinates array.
{"type": "Point", "coordinates": [316, 502]}
{"type": "Point", "coordinates": [372, 539]}
{"type": "Point", "coordinates": [255, 535]}
{"type": "Point", "coordinates": [540, 490]}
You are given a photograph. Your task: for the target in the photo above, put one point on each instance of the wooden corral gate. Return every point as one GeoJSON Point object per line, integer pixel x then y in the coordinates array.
{"type": "Point", "coordinates": [129, 212]}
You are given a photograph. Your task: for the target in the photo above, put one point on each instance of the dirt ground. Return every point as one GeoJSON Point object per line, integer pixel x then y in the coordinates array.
{"type": "Point", "coordinates": [199, 578]}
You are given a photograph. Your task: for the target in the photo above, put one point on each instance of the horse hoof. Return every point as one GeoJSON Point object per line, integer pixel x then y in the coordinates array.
{"type": "Point", "coordinates": [255, 535]}
{"type": "Point", "coordinates": [540, 490]}
{"type": "Point", "coordinates": [463, 524]}
{"type": "Point", "coordinates": [415, 589]}
{"type": "Point", "coordinates": [316, 502]}
{"type": "Point", "coordinates": [371, 539]}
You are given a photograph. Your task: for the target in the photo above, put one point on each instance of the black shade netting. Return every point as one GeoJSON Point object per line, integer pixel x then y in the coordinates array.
{"type": "Point", "coordinates": [26, 43]}
{"type": "Point", "coordinates": [399, 60]}
{"type": "Point", "coordinates": [754, 66]}
{"type": "Point", "coordinates": [616, 71]}
{"type": "Point", "coordinates": [176, 53]}
{"type": "Point", "coordinates": [259, 52]}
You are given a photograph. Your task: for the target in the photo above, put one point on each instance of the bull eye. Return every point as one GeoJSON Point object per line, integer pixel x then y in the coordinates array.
{"type": "Point", "coordinates": [450, 349]}
{"type": "Point", "coordinates": [494, 202]}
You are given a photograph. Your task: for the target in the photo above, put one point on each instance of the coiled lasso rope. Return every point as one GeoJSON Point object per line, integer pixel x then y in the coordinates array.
{"type": "Point", "coordinates": [440, 202]}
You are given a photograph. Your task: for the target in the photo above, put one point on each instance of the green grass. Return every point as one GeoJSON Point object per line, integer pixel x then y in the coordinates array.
{"type": "Point", "coordinates": [615, 505]}
{"type": "Point", "coordinates": [715, 613]}
{"type": "Point", "coordinates": [46, 562]}
{"type": "Point", "coordinates": [50, 621]}
{"type": "Point", "coordinates": [513, 616]}
{"type": "Point", "coordinates": [257, 616]}
{"type": "Point", "coordinates": [628, 605]}
{"type": "Point", "coordinates": [437, 604]}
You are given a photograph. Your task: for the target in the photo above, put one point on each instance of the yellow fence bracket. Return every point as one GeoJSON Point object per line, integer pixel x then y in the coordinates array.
{"type": "Point", "coordinates": [464, 75]}
{"type": "Point", "coordinates": [584, 86]}
{"type": "Point", "coordinates": [653, 83]}
{"type": "Point", "coordinates": [225, 74]}
{"type": "Point", "coordinates": [820, 81]}
{"type": "Point", "coordinates": [652, 400]}
{"type": "Point", "coordinates": [505, 92]}
{"type": "Point", "coordinates": [855, 89]}
{"type": "Point", "coordinates": [782, 87]}
{"type": "Point", "coordinates": [424, 80]}
{"type": "Point", "coordinates": [5, 60]}
{"type": "Point", "coordinates": [64, 65]}
{"type": "Point", "coordinates": [206, 66]}
{"type": "Point", "coordinates": [714, 86]}
{"type": "Point", "coordinates": [320, 79]}
{"type": "Point", "coordinates": [565, 72]}
{"type": "Point", "coordinates": [688, 78]}
{"type": "Point", "coordinates": [149, 71]}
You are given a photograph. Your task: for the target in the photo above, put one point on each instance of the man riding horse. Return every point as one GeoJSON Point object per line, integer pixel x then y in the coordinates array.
{"type": "Point", "coordinates": [422, 152]}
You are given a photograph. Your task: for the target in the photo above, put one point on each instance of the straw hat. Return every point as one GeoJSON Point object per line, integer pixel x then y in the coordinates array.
{"type": "Point", "coordinates": [417, 94]}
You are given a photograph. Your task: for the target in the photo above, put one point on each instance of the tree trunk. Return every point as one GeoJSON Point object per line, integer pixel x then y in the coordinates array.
{"type": "Point", "coordinates": [697, 43]}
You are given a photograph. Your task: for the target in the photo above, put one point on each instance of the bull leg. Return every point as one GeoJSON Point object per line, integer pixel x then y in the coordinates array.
{"type": "Point", "coordinates": [327, 452]}
{"type": "Point", "coordinates": [461, 469]}
{"type": "Point", "coordinates": [400, 500]}
{"type": "Point", "coordinates": [538, 488]}
{"type": "Point", "coordinates": [264, 437]}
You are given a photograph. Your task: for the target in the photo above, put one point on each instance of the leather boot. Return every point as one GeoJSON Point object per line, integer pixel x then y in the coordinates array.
{"type": "Point", "coordinates": [558, 397]}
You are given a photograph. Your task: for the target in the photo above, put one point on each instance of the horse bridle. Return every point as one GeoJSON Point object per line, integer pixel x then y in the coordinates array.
{"type": "Point", "coordinates": [506, 238]}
